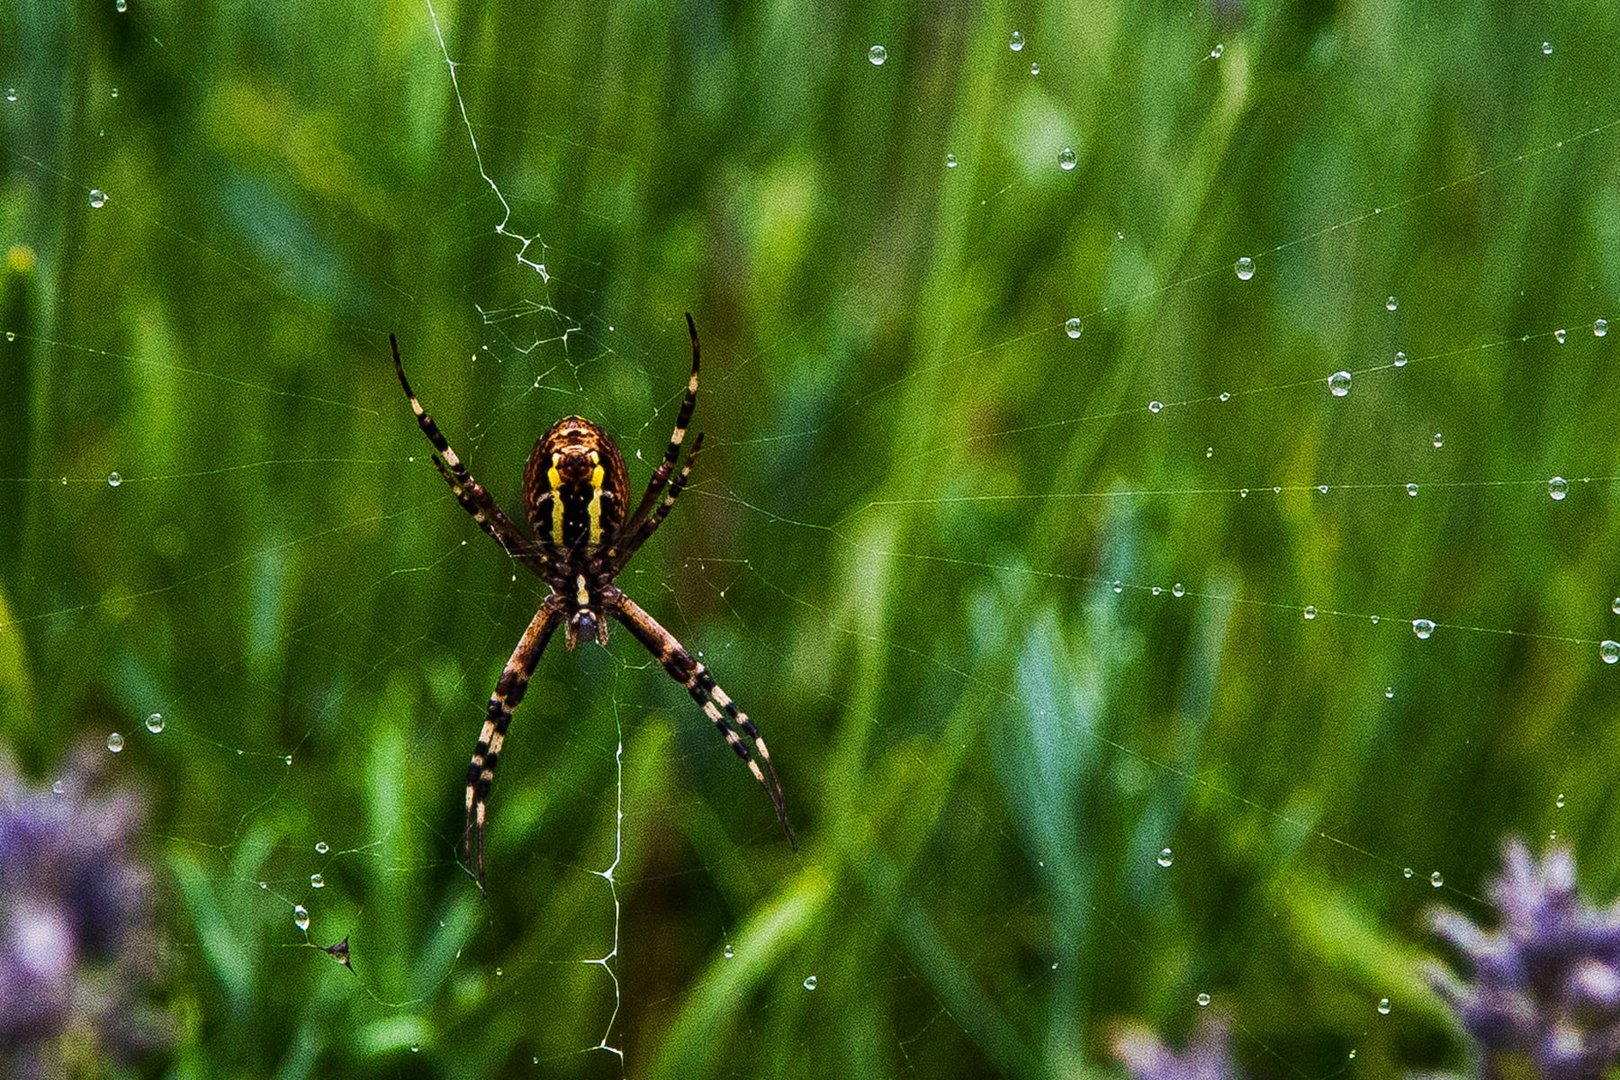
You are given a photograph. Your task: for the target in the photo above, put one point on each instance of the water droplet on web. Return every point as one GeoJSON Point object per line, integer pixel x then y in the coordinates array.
{"type": "Point", "coordinates": [57, 788]}
{"type": "Point", "coordinates": [120, 6]}
{"type": "Point", "coordinates": [1558, 487]}
{"type": "Point", "coordinates": [1016, 43]}
{"type": "Point", "coordinates": [1560, 335]}
{"type": "Point", "coordinates": [729, 951]}
{"type": "Point", "coordinates": [1071, 326]}
{"type": "Point", "coordinates": [416, 1048]}
{"type": "Point", "coordinates": [1202, 999]}
{"type": "Point", "coordinates": [809, 982]}
{"type": "Point", "coordinates": [1209, 451]}
{"type": "Point", "coordinates": [1243, 493]}
{"type": "Point", "coordinates": [1559, 802]}
{"type": "Point", "coordinates": [950, 161]}
{"type": "Point", "coordinates": [1277, 490]}
{"type": "Point", "coordinates": [316, 881]}
{"type": "Point", "coordinates": [877, 54]}
{"type": "Point", "coordinates": [1383, 1006]}
{"type": "Point", "coordinates": [1615, 606]}
{"type": "Point", "coordinates": [1155, 407]}
{"type": "Point", "coordinates": [1406, 872]}
{"type": "Point", "coordinates": [1546, 48]}
{"type": "Point", "coordinates": [11, 93]}
{"type": "Point", "coordinates": [1339, 383]}
{"type": "Point", "coordinates": [1244, 268]}
{"type": "Point", "coordinates": [98, 198]}
{"type": "Point", "coordinates": [154, 723]}
{"type": "Point", "coordinates": [1439, 440]}
{"type": "Point", "coordinates": [1178, 590]}
{"type": "Point", "coordinates": [1600, 328]}
{"type": "Point", "coordinates": [300, 917]}
{"type": "Point", "coordinates": [500, 972]}
{"type": "Point", "coordinates": [1155, 590]}
{"type": "Point", "coordinates": [1034, 68]}
{"type": "Point", "coordinates": [115, 742]}
{"type": "Point", "coordinates": [1166, 857]}
{"type": "Point", "coordinates": [1412, 490]}
{"type": "Point", "coordinates": [287, 760]}
{"type": "Point", "coordinates": [11, 335]}
{"type": "Point", "coordinates": [114, 479]}
{"type": "Point", "coordinates": [322, 847]}
{"type": "Point", "coordinates": [1391, 304]}
{"type": "Point", "coordinates": [1400, 358]}
{"type": "Point", "coordinates": [1436, 879]}
{"type": "Point", "coordinates": [1310, 611]}
{"type": "Point", "coordinates": [1389, 691]}
{"type": "Point", "coordinates": [1066, 159]}
{"type": "Point", "coordinates": [1215, 53]}
{"type": "Point", "coordinates": [1422, 628]}
{"type": "Point", "coordinates": [1375, 620]}
{"type": "Point", "coordinates": [1119, 586]}
{"type": "Point", "coordinates": [115, 91]}
{"type": "Point", "coordinates": [1609, 650]}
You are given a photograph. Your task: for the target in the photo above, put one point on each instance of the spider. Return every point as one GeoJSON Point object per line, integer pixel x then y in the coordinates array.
{"type": "Point", "coordinates": [576, 493]}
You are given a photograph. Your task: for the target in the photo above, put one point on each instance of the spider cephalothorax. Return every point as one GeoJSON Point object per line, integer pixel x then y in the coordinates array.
{"type": "Point", "coordinates": [575, 494]}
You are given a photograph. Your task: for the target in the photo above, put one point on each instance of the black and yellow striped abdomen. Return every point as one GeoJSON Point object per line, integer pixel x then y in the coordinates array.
{"type": "Point", "coordinates": [576, 487]}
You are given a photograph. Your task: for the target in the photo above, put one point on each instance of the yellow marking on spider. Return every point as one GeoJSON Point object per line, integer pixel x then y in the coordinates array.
{"type": "Point", "coordinates": [555, 479]}
{"type": "Point", "coordinates": [582, 595]}
{"type": "Point", "coordinates": [595, 509]}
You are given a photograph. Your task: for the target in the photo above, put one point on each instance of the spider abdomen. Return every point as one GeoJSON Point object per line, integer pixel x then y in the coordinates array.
{"type": "Point", "coordinates": [575, 487]}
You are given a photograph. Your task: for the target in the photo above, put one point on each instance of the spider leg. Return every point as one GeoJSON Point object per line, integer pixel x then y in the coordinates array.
{"type": "Point", "coordinates": [672, 453]}
{"type": "Point", "coordinates": [621, 552]}
{"type": "Point", "coordinates": [509, 690]}
{"type": "Point", "coordinates": [687, 670]}
{"type": "Point", "coordinates": [472, 495]}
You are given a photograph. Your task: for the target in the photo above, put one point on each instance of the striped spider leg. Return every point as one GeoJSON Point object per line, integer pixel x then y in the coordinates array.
{"type": "Point", "coordinates": [576, 498]}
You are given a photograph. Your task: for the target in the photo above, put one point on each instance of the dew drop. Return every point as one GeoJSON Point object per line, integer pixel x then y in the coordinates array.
{"type": "Point", "coordinates": [1066, 159]}
{"type": "Point", "coordinates": [1558, 487]}
{"type": "Point", "coordinates": [114, 479]}
{"type": "Point", "coordinates": [1406, 872]}
{"type": "Point", "coordinates": [115, 742]}
{"type": "Point", "coordinates": [1277, 490]}
{"type": "Point", "coordinates": [1560, 335]}
{"type": "Point", "coordinates": [115, 91]}
{"type": "Point", "coordinates": [1390, 304]}
{"type": "Point", "coordinates": [1615, 606]}
{"type": "Point", "coordinates": [1119, 586]}
{"type": "Point", "coordinates": [1209, 451]}
{"type": "Point", "coordinates": [1389, 691]}
{"type": "Point", "coordinates": [1546, 48]}
{"type": "Point", "coordinates": [1439, 439]}
{"type": "Point", "coordinates": [1178, 590]}
{"type": "Point", "coordinates": [154, 723]}
{"type": "Point", "coordinates": [1156, 590]}
{"type": "Point", "coordinates": [1016, 43]}
{"type": "Point", "coordinates": [322, 847]}
{"type": "Point", "coordinates": [1600, 328]}
{"type": "Point", "coordinates": [1423, 628]}
{"type": "Point", "coordinates": [1609, 649]}
{"type": "Point", "coordinates": [1244, 268]}
{"type": "Point", "coordinates": [98, 198]}
{"type": "Point", "coordinates": [729, 951]}
{"type": "Point", "coordinates": [1400, 358]}
{"type": "Point", "coordinates": [1034, 69]}
{"type": "Point", "coordinates": [1202, 999]}
{"type": "Point", "coordinates": [1436, 879]}
{"type": "Point", "coordinates": [1243, 493]}
{"type": "Point", "coordinates": [1310, 611]}
{"type": "Point", "coordinates": [1339, 383]}
{"type": "Point", "coordinates": [58, 787]}
{"type": "Point", "coordinates": [416, 1048]}
{"type": "Point", "coordinates": [877, 54]}
{"type": "Point", "coordinates": [1225, 396]}
{"type": "Point", "coordinates": [1071, 326]}
{"type": "Point", "coordinates": [11, 335]}
{"type": "Point", "coordinates": [300, 917]}
{"type": "Point", "coordinates": [1412, 490]}
{"type": "Point", "coordinates": [1383, 1006]}
{"type": "Point", "coordinates": [1559, 802]}
{"type": "Point", "coordinates": [1215, 53]}
{"type": "Point", "coordinates": [809, 982]}
{"type": "Point", "coordinates": [950, 161]}
{"type": "Point", "coordinates": [316, 881]}
{"type": "Point", "coordinates": [11, 93]}
{"type": "Point", "coordinates": [1323, 488]}
{"type": "Point", "coordinates": [120, 6]}
{"type": "Point", "coordinates": [1155, 407]}
{"type": "Point", "coordinates": [1375, 620]}
{"type": "Point", "coordinates": [1166, 857]}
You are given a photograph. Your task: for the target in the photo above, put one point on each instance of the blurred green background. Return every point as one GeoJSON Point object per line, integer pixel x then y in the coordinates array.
{"type": "Point", "coordinates": [899, 550]}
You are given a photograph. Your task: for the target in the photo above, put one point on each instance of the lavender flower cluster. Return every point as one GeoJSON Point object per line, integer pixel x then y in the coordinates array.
{"type": "Point", "coordinates": [77, 950]}
{"type": "Point", "coordinates": [1540, 998]}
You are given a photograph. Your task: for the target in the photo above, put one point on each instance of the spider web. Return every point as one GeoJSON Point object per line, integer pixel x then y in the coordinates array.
{"type": "Point", "coordinates": [1033, 525]}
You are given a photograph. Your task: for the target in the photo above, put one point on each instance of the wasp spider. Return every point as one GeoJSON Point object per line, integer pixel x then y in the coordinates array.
{"type": "Point", "coordinates": [576, 493]}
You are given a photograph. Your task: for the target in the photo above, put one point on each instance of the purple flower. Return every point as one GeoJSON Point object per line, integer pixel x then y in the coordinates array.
{"type": "Point", "coordinates": [1544, 987]}
{"type": "Point", "coordinates": [1208, 1054]}
{"type": "Point", "coordinates": [76, 943]}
